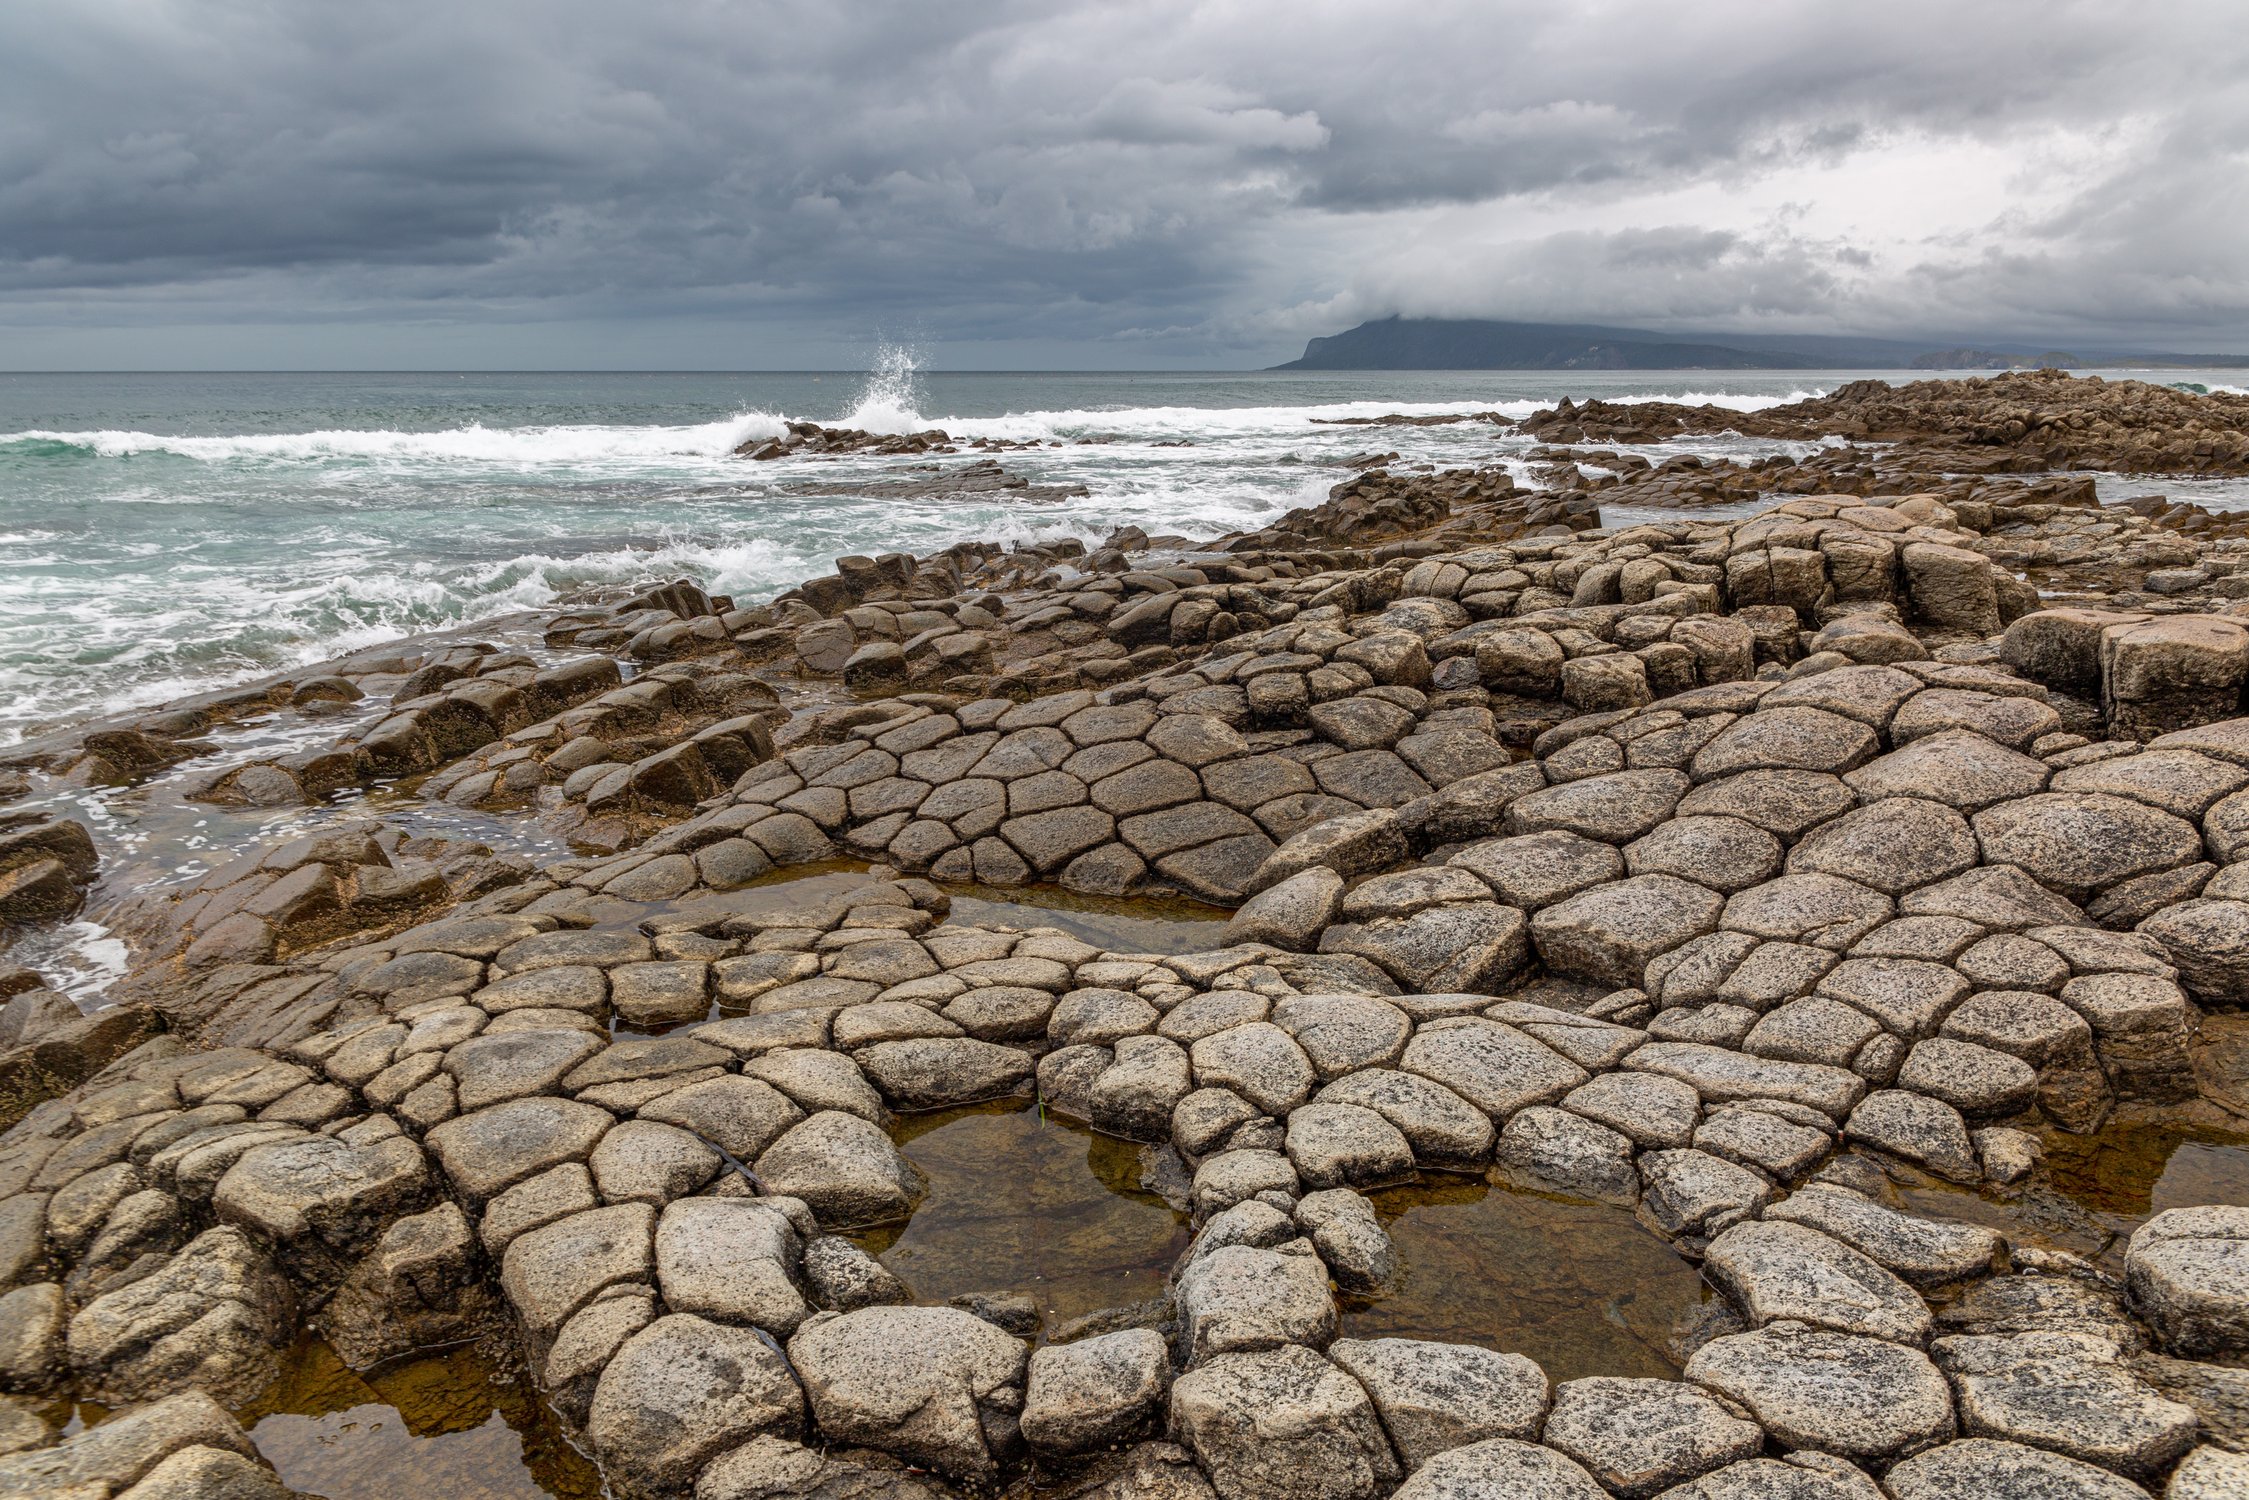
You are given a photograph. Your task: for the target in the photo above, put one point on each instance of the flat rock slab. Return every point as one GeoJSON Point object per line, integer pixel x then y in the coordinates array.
{"type": "Point", "coordinates": [1094, 1393]}
{"type": "Point", "coordinates": [911, 1381]}
{"type": "Point", "coordinates": [1472, 945]}
{"type": "Point", "coordinates": [1799, 1476]}
{"type": "Point", "coordinates": [682, 1391]}
{"type": "Point", "coordinates": [1433, 1396]}
{"type": "Point", "coordinates": [1335, 1145]}
{"type": "Point", "coordinates": [1927, 1132]}
{"type": "Point", "coordinates": [1283, 1425]}
{"type": "Point", "coordinates": [1500, 1467]}
{"type": "Point", "coordinates": [1610, 933]}
{"type": "Point", "coordinates": [2082, 842]}
{"type": "Point", "coordinates": [1493, 1066]}
{"type": "Point", "coordinates": [512, 1064]}
{"type": "Point", "coordinates": [1536, 869]}
{"type": "Point", "coordinates": [933, 1072]}
{"type": "Point", "coordinates": [2067, 1392]}
{"type": "Point", "coordinates": [1614, 809]}
{"type": "Point", "coordinates": [1837, 1393]}
{"type": "Point", "coordinates": [845, 1168]}
{"type": "Point", "coordinates": [741, 1116]}
{"type": "Point", "coordinates": [1641, 1436]}
{"type": "Point", "coordinates": [731, 1259]}
{"type": "Point", "coordinates": [2188, 1271]}
{"type": "Point", "coordinates": [494, 1148]}
{"type": "Point", "coordinates": [1925, 1252]}
{"type": "Point", "coordinates": [1240, 1298]}
{"type": "Point", "coordinates": [551, 1272]}
{"type": "Point", "coordinates": [1443, 1128]}
{"type": "Point", "coordinates": [1344, 1033]}
{"type": "Point", "coordinates": [325, 1187]}
{"type": "Point", "coordinates": [2208, 1473]}
{"type": "Point", "coordinates": [1776, 1270]}
{"type": "Point", "coordinates": [1984, 1469]}
{"type": "Point", "coordinates": [778, 1468]}
{"type": "Point", "coordinates": [1260, 1062]}
{"type": "Point", "coordinates": [1721, 1076]}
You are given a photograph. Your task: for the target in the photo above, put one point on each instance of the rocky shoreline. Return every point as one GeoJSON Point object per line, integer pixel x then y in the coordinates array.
{"type": "Point", "coordinates": [1776, 878]}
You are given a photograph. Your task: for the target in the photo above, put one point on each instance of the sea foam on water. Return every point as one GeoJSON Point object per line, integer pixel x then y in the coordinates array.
{"type": "Point", "coordinates": [138, 564]}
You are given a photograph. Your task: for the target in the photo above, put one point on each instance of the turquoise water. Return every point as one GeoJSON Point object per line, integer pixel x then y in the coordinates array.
{"type": "Point", "coordinates": [161, 534]}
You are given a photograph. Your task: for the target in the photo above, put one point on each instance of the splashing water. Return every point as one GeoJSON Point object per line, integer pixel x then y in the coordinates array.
{"type": "Point", "coordinates": [890, 402]}
{"type": "Point", "coordinates": [167, 534]}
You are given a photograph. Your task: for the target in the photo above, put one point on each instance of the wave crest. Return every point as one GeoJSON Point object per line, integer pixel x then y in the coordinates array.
{"type": "Point", "coordinates": [518, 447]}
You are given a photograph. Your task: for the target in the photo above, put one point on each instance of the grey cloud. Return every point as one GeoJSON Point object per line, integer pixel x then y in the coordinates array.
{"type": "Point", "coordinates": [1182, 178]}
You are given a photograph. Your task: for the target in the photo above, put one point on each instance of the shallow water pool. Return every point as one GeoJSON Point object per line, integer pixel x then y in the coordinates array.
{"type": "Point", "coordinates": [1021, 1201]}
{"type": "Point", "coordinates": [1580, 1287]}
{"type": "Point", "coordinates": [443, 1426]}
{"type": "Point", "coordinates": [1169, 925]}
{"type": "Point", "coordinates": [2134, 1168]}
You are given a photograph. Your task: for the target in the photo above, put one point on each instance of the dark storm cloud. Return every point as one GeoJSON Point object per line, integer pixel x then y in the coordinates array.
{"type": "Point", "coordinates": [1187, 177]}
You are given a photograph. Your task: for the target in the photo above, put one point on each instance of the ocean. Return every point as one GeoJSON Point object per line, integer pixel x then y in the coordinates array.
{"type": "Point", "coordinates": [168, 533]}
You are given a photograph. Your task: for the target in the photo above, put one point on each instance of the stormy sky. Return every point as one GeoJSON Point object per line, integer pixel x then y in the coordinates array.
{"type": "Point", "coordinates": [772, 184]}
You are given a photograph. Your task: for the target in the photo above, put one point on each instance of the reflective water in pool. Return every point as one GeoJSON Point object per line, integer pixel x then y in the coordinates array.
{"type": "Point", "coordinates": [1020, 1201]}
{"type": "Point", "coordinates": [1142, 926]}
{"type": "Point", "coordinates": [1580, 1287]}
{"type": "Point", "coordinates": [2136, 1167]}
{"type": "Point", "coordinates": [444, 1426]}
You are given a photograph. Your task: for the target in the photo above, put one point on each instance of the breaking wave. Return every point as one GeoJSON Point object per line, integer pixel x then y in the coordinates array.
{"type": "Point", "coordinates": [888, 404]}
{"type": "Point", "coordinates": [138, 565]}
{"type": "Point", "coordinates": [516, 447]}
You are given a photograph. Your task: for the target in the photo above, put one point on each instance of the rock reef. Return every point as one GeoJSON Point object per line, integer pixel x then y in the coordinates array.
{"type": "Point", "coordinates": [1798, 882]}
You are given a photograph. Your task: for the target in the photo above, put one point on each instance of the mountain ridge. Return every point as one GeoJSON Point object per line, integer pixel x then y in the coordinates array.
{"type": "Point", "coordinates": [1398, 343]}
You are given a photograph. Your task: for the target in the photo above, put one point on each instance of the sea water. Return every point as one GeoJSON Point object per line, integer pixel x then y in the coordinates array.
{"type": "Point", "coordinates": [170, 533]}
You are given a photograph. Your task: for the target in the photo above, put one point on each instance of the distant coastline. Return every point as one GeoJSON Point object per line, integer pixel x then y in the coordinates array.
{"type": "Point", "coordinates": [1481, 344]}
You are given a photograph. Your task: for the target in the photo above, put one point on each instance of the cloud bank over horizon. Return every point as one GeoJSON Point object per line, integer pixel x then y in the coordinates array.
{"type": "Point", "coordinates": [218, 182]}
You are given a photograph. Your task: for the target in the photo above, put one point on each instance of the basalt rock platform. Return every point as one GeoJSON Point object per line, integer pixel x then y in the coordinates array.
{"type": "Point", "coordinates": [1775, 878]}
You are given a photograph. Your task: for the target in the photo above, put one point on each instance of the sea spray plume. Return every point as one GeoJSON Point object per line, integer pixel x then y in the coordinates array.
{"type": "Point", "coordinates": [889, 403]}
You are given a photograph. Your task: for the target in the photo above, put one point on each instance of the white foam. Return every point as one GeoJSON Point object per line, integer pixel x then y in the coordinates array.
{"type": "Point", "coordinates": [81, 959]}
{"type": "Point", "coordinates": [522, 447]}
{"type": "Point", "coordinates": [889, 404]}
{"type": "Point", "coordinates": [889, 400]}
{"type": "Point", "coordinates": [354, 539]}
{"type": "Point", "coordinates": [1172, 422]}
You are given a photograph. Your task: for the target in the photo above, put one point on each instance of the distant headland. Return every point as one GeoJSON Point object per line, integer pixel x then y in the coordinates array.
{"type": "Point", "coordinates": [1398, 343]}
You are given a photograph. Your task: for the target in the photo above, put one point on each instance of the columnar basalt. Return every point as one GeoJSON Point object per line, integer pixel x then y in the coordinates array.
{"type": "Point", "coordinates": [1770, 878]}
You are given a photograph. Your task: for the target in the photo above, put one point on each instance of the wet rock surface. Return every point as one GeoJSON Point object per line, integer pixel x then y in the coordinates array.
{"type": "Point", "coordinates": [1793, 889]}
